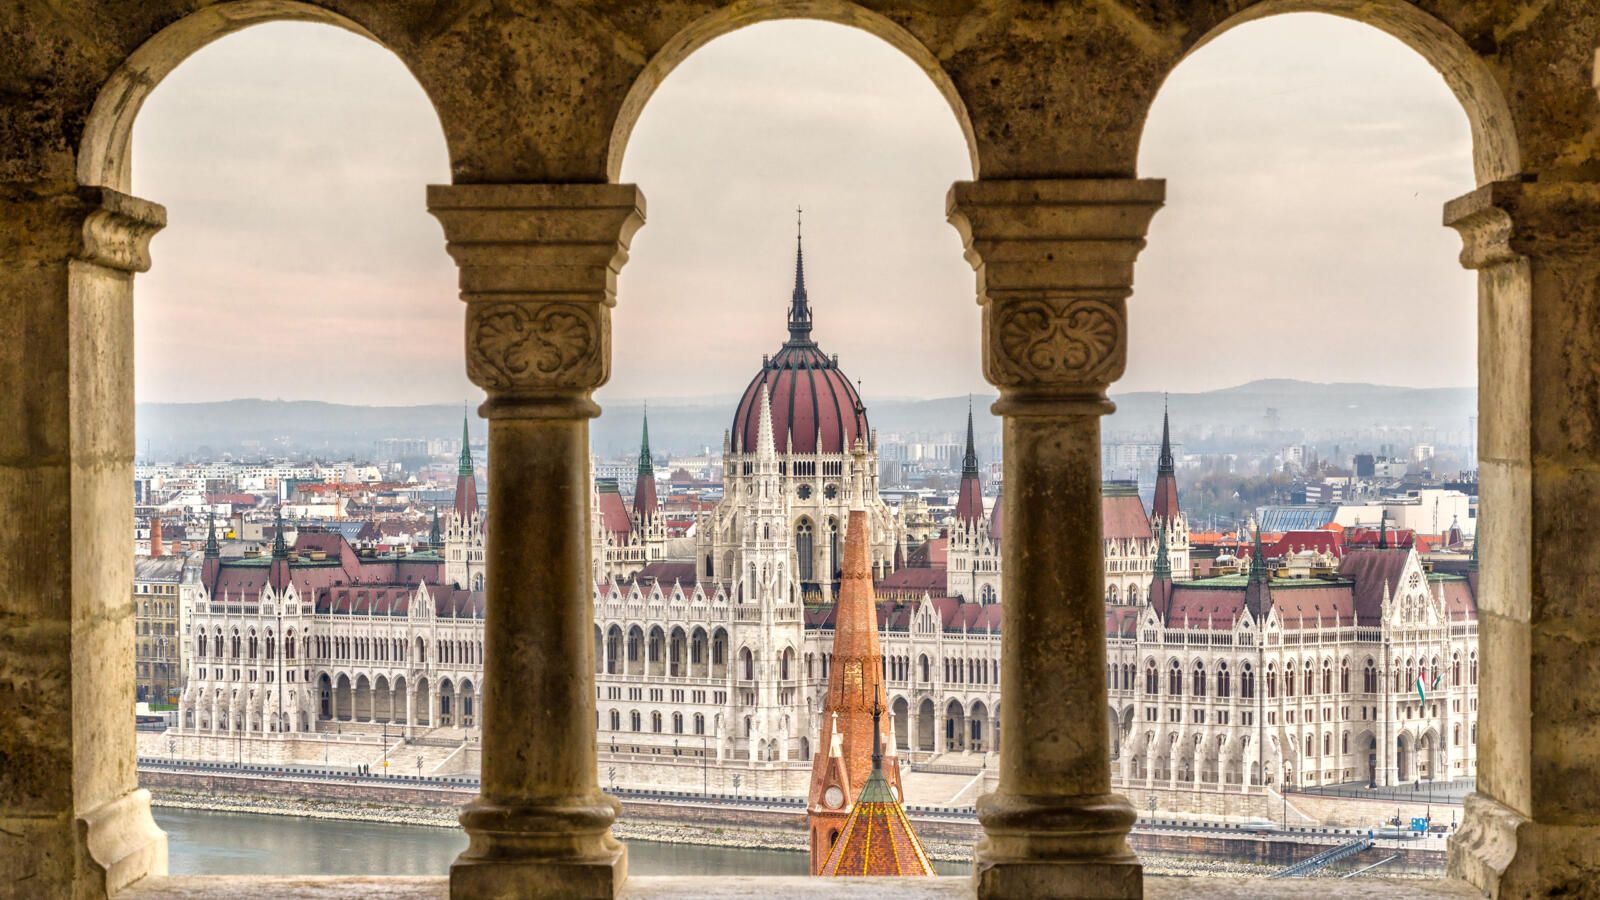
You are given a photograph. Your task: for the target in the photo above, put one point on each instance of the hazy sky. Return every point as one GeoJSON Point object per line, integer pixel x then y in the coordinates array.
{"type": "Point", "coordinates": [1306, 157]}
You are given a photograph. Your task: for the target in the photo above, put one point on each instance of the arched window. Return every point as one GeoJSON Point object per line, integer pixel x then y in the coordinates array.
{"type": "Point", "coordinates": [1288, 679]}
{"type": "Point", "coordinates": [1309, 746]}
{"type": "Point", "coordinates": [677, 723]}
{"type": "Point", "coordinates": [634, 719]}
{"type": "Point", "coordinates": [655, 722]}
{"type": "Point", "coordinates": [1455, 675]}
{"type": "Point", "coordinates": [804, 548]}
{"type": "Point", "coordinates": [924, 660]}
{"type": "Point", "coordinates": [1272, 680]}
{"type": "Point", "coordinates": [1247, 682]}
{"type": "Point", "coordinates": [1224, 685]}
{"type": "Point", "coordinates": [1327, 676]}
{"type": "Point", "coordinates": [1175, 680]}
{"type": "Point", "coordinates": [236, 645]}
{"type": "Point", "coordinates": [1311, 687]}
{"type": "Point", "coordinates": [1369, 678]}
{"type": "Point", "coordinates": [747, 661]}
{"type": "Point", "coordinates": [1472, 672]}
{"type": "Point", "coordinates": [1344, 742]}
{"type": "Point", "coordinates": [699, 724]}
{"type": "Point", "coordinates": [616, 720]}
{"type": "Point", "coordinates": [1199, 679]}
{"type": "Point", "coordinates": [1327, 744]}
{"type": "Point", "coordinates": [1456, 737]}
{"type": "Point", "coordinates": [1151, 679]}
{"type": "Point", "coordinates": [1111, 594]}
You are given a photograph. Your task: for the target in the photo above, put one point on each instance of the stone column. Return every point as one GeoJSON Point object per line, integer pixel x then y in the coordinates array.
{"type": "Point", "coordinates": [1533, 826]}
{"type": "Point", "coordinates": [538, 274]}
{"type": "Point", "coordinates": [1054, 262]}
{"type": "Point", "coordinates": [411, 718]}
{"type": "Point", "coordinates": [74, 820]}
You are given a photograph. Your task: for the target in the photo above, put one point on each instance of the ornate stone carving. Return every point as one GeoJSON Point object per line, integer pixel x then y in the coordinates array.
{"type": "Point", "coordinates": [535, 347]}
{"type": "Point", "coordinates": [1051, 341]}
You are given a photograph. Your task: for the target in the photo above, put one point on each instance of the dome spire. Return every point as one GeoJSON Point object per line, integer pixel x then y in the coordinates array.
{"type": "Point", "coordinates": [799, 309]}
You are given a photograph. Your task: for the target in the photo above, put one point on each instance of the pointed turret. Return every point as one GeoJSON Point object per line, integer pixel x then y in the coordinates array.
{"type": "Point", "coordinates": [800, 308]}
{"type": "Point", "coordinates": [764, 447]}
{"type": "Point", "coordinates": [212, 550]}
{"type": "Point", "coordinates": [1164, 506]}
{"type": "Point", "coordinates": [278, 574]}
{"type": "Point", "coordinates": [212, 563]}
{"type": "Point", "coordinates": [1160, 596]}
{"type": "Point", "coordinates": [1383, 531]}
{"type": "Point", "coordinates": [1258, 591]}
{"type": "Point", "coordinates": [855, 688]}
{"type": "Point", "coordinates": [969, 503]}
{"type": "Point", "coordinates": [466, 506]}
{"type": "Point", "coordinates": [435, 539]}
{"type": "Point", "coordinates": [644, 487]}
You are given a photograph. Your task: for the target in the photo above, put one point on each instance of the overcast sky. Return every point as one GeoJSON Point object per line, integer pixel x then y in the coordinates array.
{"type": "Point", "coordinates": [1306, 157]}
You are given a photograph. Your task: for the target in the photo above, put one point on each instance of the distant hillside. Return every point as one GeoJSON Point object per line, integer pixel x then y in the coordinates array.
{"type": "Point", "coordinates": [255, 427]}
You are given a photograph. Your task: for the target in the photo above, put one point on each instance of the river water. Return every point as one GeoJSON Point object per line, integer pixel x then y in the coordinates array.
{"type": "Point", "coordinates": [226, 843]}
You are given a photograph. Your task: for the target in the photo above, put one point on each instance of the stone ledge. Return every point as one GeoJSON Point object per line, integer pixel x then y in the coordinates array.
{"type": "Point", "coordinates": [244, 887]}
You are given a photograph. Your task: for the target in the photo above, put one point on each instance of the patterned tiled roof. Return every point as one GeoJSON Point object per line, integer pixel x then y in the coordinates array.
{"type": "Point", "coordinates": [878, 838]}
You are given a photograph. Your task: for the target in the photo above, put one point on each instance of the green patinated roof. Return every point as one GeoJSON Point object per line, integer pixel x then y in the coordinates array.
{"type": "Point", "coordinates": [1238, 582]}
{"type": "Point", "coordinates": [876, 790]}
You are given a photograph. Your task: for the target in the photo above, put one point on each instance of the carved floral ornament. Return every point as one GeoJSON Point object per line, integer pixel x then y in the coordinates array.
{"type": "Point", "coordinates": [1069, 341]}
{"type": "Point", "coordinates": [537, 346]}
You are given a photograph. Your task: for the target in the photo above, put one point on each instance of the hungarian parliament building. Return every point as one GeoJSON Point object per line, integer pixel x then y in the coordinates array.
{"type": "Point", "coordinates": [1312, 664]}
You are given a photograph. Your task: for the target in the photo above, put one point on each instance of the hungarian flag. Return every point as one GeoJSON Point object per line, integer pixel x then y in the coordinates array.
{"type": "Point", "coordinates": [1424, 685]}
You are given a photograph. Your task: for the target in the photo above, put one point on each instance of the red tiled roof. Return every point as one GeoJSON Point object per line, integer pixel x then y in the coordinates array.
{"type": "Point", "coordinates": [1122, 516]}
{"type": "Point", "coordinates": [1319, 540]}
{"type": "Point", "coordinates": [1372, 569]}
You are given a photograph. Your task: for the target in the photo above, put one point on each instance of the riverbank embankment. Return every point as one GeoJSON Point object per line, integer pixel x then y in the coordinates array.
{"type": "Point", "coordinates": [719, 826]}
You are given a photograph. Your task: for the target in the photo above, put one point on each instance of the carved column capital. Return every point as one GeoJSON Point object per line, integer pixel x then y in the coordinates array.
{"type": "Point", "coordinates": [1054, 262]}
{"type": "Point", "coordinates": [1507, 220]}
{"type": "Point", "coordinates": [539, 267]}
{"type": "Point", "coordinates": [117, 229]}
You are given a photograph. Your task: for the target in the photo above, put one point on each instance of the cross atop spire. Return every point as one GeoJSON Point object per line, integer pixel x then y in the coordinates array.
{"type": "Point", "coordinates": [799, 309]}
{"type": "Point", "coordinates": [465, 467]}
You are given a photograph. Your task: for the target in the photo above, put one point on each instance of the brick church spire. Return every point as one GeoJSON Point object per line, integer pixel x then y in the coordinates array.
{"type": "Point", "coordinates": [878, 838]}
{"type": "Point", "coordinates": [843, 762]}
{"type": "Point", "coordinates": [969, 503]}
{"type": "Point", "coordinates": [644, 487]}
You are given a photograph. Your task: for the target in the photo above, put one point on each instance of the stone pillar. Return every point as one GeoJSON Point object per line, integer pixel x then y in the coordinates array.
{"type": "Point", "coordinates": [1532, 829]}
{"type": "Point", "coordinates": [74, 820]}
{"type": "Point", "coordinates": [538, 274]}
{"type": "Point", "coordinates": [411, 718]}
{"type": "Point", "coordinates": [1054, 262]}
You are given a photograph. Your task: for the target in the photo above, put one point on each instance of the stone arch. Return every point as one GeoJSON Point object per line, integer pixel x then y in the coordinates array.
{"type": "Point", "coordinates": [1496, 152]}
{"type": "Point", "coordinates": [900, 719]}
{"type": "Point", "coordinates": [927, 725]}
{"type": "Point", "coordinates": [978, 727]}
{"type": "Point", "coordinates": [341, 698]}
{"type": "Point", "coordinates": [361, 709]}
{"type": "Point", "coordinates": [731, 18]}
{"type": "Point", "coordinates": [104, 157]}
{"type": "Point", "coordinates": [954, 733]}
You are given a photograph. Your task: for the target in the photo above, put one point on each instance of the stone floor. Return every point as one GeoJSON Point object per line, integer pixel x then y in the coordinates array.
{"type": "Point", "coordinates": [227, 887]}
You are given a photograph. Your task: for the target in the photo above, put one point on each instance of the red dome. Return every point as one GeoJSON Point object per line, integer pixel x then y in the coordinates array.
{"type": "Point", "coordinates": [811, 399]}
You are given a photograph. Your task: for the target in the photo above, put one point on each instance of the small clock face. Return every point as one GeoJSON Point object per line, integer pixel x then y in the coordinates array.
{"type": "Point", "coordinates": [833, 797]}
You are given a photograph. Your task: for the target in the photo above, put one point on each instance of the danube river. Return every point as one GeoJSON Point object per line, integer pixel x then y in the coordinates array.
{"type": "Point", "coordinates": [223, 843]}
